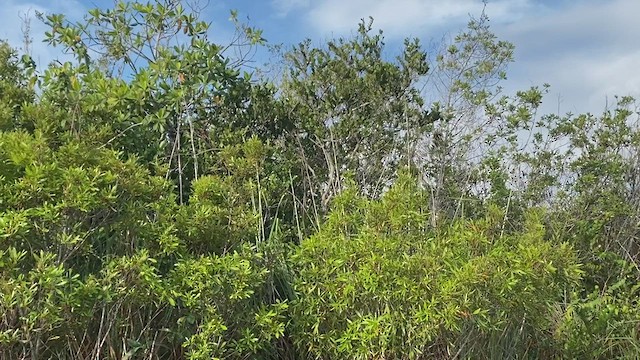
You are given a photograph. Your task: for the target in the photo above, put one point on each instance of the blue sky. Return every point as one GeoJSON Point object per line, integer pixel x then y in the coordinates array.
{"type": "Point", "coordinates": [588, 50]}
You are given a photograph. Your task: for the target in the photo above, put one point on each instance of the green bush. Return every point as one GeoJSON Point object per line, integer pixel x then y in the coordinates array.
{"type": "Point", "coordinates": [604, 323]}
{"type": "Point", "coordinates": [97, 259]}
{"type": "Point", "coordinates": [377, 282]}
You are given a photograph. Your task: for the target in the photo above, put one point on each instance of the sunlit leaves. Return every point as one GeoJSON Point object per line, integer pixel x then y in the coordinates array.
{"type": "Point", "coordinates": [378, 281]}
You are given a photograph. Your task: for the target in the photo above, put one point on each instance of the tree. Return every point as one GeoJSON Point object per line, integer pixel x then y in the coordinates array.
{"type": "Point", "coordinates": [182, 91]}
{"type": "Point", "coordinates": [463, 85]}
{"type": "Point", "coordinates": [15, 89]}
{"type": "Point", "coordinates": [354, 113]}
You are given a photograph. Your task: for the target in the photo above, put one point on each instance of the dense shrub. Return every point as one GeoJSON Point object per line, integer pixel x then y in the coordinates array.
{"type": "Point", "coordinates": [377, 282]}
{"type": "Point", "coordinates": [95, 261]}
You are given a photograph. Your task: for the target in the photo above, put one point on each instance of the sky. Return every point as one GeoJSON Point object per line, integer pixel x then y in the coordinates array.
{"type": "Point", "coordinates": [587, 50]}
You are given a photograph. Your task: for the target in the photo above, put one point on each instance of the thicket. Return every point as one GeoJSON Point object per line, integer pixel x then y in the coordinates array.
{"type": "Point", "coordinates": [158, 201]}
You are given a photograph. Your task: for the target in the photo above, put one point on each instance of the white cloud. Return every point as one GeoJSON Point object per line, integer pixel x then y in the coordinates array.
{"type": "Point", "coordinates": [284, 7]}
{"type": "Point", "coordinates": [588, 52]}
{"type": "Point", "coordinates": [402, 18]}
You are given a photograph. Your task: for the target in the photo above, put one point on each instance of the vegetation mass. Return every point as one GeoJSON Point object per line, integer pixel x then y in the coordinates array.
{"type": "Point", "coordinates": [162, 199]}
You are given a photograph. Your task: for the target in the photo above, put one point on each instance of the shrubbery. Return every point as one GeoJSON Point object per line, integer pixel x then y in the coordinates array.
{"type": "Point", "coordinates": [193, 211]}
{"type": "Point", "coordinates": [378, 282]}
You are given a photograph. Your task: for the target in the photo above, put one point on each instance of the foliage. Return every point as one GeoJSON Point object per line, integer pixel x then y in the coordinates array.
{"type": "Point", "coordinates": [15, 90]}
{"type": "Point", "coordinates": [463, 87]}
{"type": "Point", "coordinates": [377, 282]}
{"type": "Point", "coordinates": [91, 258]}
{"type": "Point", "coordinates": [604, 323]}
{"type": "Point", "coordinates": [182, 97]}
{"type": "Point", "coordinates": [159, 201]}
{"type": "Point", "coordinates": [353, 111]}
